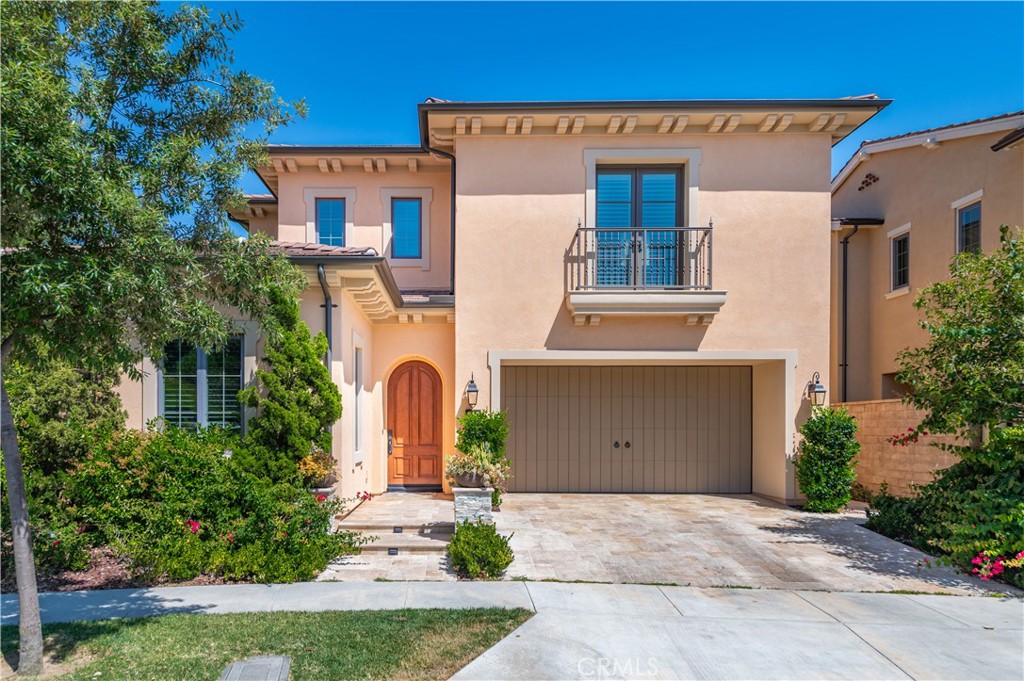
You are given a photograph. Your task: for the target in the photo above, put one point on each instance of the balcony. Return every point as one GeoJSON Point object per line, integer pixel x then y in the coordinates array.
{"type": "Point", "coordinates": [663, 271]}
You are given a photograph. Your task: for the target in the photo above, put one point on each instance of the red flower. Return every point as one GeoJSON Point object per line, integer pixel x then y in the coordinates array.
{"type": "Point", "coordinates": [56, 542]}
{"type": "Point", "coordinates": [321, 498]}
{"type": "Point", "coordinates": [193, 526]}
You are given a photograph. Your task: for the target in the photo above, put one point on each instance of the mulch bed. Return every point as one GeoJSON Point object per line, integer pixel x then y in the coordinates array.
{"type": "Point", "coordinates": [105, 571]}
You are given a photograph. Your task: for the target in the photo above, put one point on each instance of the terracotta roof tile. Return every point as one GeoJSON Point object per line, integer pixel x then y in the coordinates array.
{"type": "Point", "coordinates": [294, 249]}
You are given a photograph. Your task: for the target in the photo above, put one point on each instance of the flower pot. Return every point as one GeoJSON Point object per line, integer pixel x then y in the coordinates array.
{"type": "Point", "coordinates": [469, 480]}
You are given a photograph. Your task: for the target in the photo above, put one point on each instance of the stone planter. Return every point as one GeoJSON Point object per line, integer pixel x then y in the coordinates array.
{"type": "Point", "coordinates": [469, 480]}
{"type": "Point", "coordinates": [327, 491]}
{"type": "Point", "coordinates": [473, 504]}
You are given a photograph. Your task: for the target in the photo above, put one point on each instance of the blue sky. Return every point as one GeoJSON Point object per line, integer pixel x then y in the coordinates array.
{"type": "Point", "coordinates": [362, 68]}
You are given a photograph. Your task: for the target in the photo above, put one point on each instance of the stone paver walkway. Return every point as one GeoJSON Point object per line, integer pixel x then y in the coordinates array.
{"type": "Point", "coordinates": [592, 631]}
{"type": "Point", "coordinates": [696, 540]}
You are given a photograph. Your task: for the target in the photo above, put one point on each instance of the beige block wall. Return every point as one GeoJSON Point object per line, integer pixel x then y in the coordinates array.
{"type": "Point", "coordinates": [519, 201]}
{"type": "Point", "coordinates": [367, 228]}
{"type": "Point", "coordinates": [882, 462]}
{"type": "Point", "coordinates": [917, 186]}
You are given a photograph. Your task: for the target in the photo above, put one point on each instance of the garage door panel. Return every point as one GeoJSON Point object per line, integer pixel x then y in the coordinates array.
{"type": "Point", "coordinates": [689, 428]}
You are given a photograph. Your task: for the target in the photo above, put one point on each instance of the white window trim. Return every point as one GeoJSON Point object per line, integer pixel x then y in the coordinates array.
{"type": "Point", "coordinates": [689, 158]}
{"type": "Point", "coordinates": [426, 196]}
{"type": "Point", "coordinates": [358, 377]}
{"type": "Point", "coordinates": [967, 200]}
{"type": "Point", "coordinates": [895, 292]}
{"type": "Point", "coordinates": [311, 194]}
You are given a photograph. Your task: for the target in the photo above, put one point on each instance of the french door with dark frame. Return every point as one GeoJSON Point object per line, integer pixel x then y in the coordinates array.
{"type": "Point", "coordinates": [639, 209]}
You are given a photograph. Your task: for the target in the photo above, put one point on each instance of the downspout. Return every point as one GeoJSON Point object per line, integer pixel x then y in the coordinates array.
{"type": "Point", "coordinates": [450, 157]}
{"type": "Point", "coordinates": [845, 339]}
{"type": "Point", "coordinates": [322, 276]}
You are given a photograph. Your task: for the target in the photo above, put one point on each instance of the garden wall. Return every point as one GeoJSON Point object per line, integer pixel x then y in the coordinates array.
{"type": "Point", "coordinates": [899, 466]}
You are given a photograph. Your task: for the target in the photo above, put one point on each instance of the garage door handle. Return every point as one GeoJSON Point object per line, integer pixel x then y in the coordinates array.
{"type": "Point", "coordinates": [616, 445]}
{"type": "Point", "coordinates": [628, 445]}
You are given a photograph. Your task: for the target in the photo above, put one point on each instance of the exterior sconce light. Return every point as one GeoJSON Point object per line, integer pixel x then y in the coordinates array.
{"type": "Point", "coordinates": [816, 391]}
{"type": "Point", "coordinates": [472, 393]}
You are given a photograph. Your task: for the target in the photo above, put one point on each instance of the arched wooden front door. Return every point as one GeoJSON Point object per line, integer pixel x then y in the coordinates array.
{"type": "Point", "coordinates": [414, 424]}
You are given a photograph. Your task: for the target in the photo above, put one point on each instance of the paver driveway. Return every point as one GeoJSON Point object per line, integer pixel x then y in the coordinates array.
{"type": "Point", "coordinates": [710, 540]}
{"type": "Point", "coordinates": [693, 539]}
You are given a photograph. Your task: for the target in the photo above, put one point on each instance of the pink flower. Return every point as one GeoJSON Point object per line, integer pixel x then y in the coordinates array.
{"type": "Point", "coordinates": [193, 526]}
{"type": "Point", "coordinates": [321, 498]}
{"type": "Point", "coordinates": [56, 542]}
{"type": "Point", "coordinates": [364, 496]}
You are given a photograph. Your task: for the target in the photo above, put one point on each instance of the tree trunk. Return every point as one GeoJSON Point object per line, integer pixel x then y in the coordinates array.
{"type": "Point", "coordinates": [30, 628]}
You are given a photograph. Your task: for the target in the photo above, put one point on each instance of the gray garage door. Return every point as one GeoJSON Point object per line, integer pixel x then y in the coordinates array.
{"type": "Point", "coordinates": [628, 429]}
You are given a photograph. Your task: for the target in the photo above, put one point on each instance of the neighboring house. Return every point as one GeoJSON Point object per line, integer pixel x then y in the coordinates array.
{"type": "Point", "coordinates": [915, 200]}
{"type": "Point", "coordinates": [903, 207]}
{"type": "Point", "coordinates": [643, 286]}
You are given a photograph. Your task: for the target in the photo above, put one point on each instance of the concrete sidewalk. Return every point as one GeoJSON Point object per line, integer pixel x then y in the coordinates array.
{"type": "Point", "coordinates": [600, 631]}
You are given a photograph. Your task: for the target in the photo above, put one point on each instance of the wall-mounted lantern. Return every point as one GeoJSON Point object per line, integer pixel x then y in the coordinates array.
{"type": "Point", "coordinates": [472, 393]}
{"type": "Point", "coordinates": [816, 391]}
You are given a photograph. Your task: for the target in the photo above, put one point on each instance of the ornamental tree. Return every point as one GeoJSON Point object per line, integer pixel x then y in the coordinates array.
{"type": "Point", "coordinates": [124, 131]}
{"type": "Point", "coordinates": [296, 398]}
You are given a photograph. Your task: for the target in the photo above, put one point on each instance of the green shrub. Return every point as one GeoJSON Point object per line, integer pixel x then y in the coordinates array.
{"type": "Point", "coordinates": [297, 402]}
{"type": "Point", "coordinates": [477, 551]}
{"type": "Point", "coordinates": [824, 467]}
{"type": "Point", "coordinates": [895, 517]}
{"type": "Point", "coordinates": [489, 430]}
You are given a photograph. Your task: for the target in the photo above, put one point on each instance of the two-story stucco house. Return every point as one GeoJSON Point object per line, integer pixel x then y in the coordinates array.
{"type": "Point", "coordinates": [642, 285]}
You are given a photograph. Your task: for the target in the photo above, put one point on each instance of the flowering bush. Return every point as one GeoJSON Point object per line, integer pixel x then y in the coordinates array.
{"type": "Point", "coordinates": [906, 439]}
{"type": "Point", "coordinates": [972, 515]}
{"type": "Point", "coordinates": [175, 507]}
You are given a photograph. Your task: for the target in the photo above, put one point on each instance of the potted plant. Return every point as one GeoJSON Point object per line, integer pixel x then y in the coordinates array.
{"type": "Point", "coordinates": [476, 468]}
{"type": "Point", "coordinates": [317, 470]}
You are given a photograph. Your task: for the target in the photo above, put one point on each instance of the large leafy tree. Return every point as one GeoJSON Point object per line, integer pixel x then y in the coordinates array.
{"type": "Point", "coordinates": [125, 128]}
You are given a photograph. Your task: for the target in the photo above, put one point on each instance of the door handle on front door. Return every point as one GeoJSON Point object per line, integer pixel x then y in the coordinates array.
{"type": "Point", "coordinates": [391, 441]}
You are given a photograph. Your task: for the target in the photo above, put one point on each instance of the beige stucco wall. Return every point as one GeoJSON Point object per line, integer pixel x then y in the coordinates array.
{"type": "Point", "coordinates": [916, 185]}
{"type": "Point", "coordinates": [367, 228]}
{"type": "Point", "coordinates": [518, 204]}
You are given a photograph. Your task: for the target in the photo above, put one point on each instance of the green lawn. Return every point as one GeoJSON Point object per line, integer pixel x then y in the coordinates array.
{"type": "Point", "coordinates": [393, 644]}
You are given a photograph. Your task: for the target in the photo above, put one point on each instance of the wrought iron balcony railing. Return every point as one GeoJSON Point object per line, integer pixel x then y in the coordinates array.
{"type": "Point", "coordinates": [642, 258]}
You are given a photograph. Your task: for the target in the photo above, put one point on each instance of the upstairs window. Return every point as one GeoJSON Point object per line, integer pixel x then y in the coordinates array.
{"type": "Point", "coordinates": [201, 389]}
{"type": "Point", "coordinates": [330, 222]}
{"type": "Point", "coordinates": [900, 261]}
{"type": "Point", "coordinates": [407, 228]}
{"type": "Point", "coordinates": [968, 220]}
